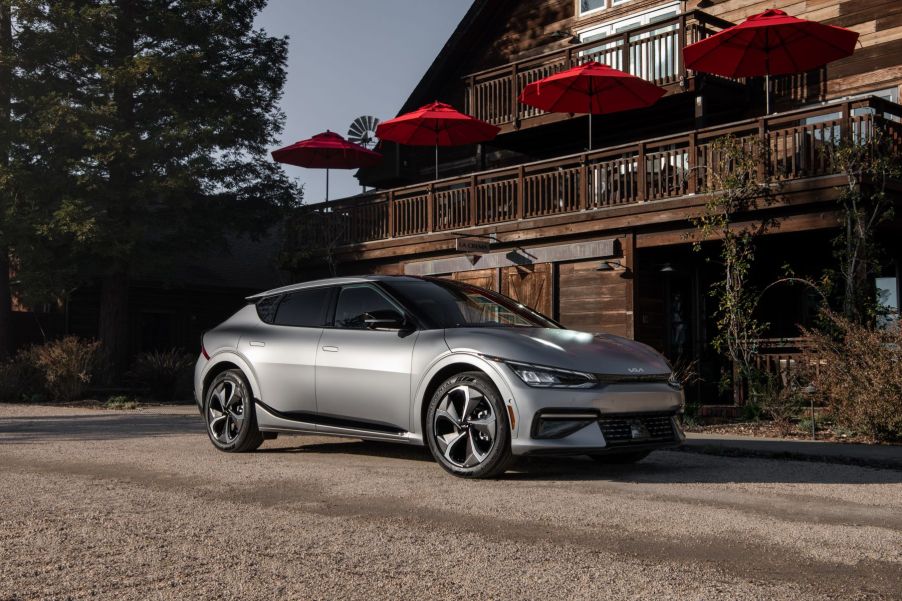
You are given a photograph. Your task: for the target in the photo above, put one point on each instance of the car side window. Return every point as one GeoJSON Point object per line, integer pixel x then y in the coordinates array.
{"type": "Point", "coordinates": [266, 308]}
{"type": "Point", "coordinates": [355, 302]}
{"type": "Point", "coordinates": [304, 308]}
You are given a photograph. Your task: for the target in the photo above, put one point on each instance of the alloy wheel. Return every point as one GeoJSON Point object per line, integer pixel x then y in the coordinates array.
{"type": "Point", "coordinates": [465, 426]}
{"type": "Point", "coordinates": [225, 414]}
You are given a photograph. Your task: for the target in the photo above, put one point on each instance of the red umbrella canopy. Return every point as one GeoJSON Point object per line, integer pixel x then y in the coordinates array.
{"type": "Point", "coordinates": [327, 150]}
{"type": "Point", "coordinates": [770, 43]}
{"type": "Point", "coordinates": [436, 124]}
{"type": "Point", "coordinates": [591, 88]}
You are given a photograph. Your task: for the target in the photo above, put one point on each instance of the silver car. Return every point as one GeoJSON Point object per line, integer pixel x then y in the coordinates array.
{"type": "Point", "coordinates": [477, 377]}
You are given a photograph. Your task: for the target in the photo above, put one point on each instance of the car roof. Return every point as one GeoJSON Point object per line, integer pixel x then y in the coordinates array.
{"type": "Point", "coordinates": [332, 282]}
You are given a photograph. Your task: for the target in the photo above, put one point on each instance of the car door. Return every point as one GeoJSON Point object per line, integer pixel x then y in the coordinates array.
{"type": "Point", "coordinates": [363, 373]}
{"type": "Point", "coordinates": [283, 352]}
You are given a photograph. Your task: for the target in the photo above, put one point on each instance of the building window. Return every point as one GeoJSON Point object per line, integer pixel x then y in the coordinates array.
{"type": "Point", "coordinates": [587, 6]}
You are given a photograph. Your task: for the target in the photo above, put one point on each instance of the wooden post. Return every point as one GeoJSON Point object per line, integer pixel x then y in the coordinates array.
{"type": "Point", "coordinates": [515, 103]}
{"type": "Point", "coordinates": [583, 183]}
{"type": "Point", "coordinates": [473, 204]}
{"type": "Point", "coordinates": [692, 164]}
{"type": "Point", "coordinates": [642, 192]}
{"type": "Point", "coordinates": [391, 213]}
{"type": "Point", "coordinates": [568, 62]}
{"type": "Point", "coordinates": [520, 192]}
{"type": "Point", "coordinates": [763, 167]}
{"type": "Point", "coordinates": [471, 98]}
{"type": "Point", "coordinates": [430, 208]}
{"type": "Point", "coordinates": [681, 42]}
{"type": "Point", "coordinates": [629, 275]}
{"type": "Point", "coordinates": [845, 126]}
{"type": "Point", "coordinates": [625, 56]}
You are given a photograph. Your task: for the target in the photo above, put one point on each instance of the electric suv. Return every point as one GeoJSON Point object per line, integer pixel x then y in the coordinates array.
{"type": "Point", "coordinates": [476, 376]}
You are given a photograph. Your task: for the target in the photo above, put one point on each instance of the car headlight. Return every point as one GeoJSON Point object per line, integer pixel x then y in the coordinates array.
{"type": "Point", "coordinates": [539, 376]}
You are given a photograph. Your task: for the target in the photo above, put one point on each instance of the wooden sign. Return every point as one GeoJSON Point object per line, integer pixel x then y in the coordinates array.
{"type": "Point", "coordinates": [473, 246]}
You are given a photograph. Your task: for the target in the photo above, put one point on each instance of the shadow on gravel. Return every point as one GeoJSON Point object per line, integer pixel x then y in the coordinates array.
{"type": "Point", "coordinates": [661, 467]}
{"type": "Point", "coordinates": [95, 427]}
{"type": "Point", "coordinates": [357, 447]}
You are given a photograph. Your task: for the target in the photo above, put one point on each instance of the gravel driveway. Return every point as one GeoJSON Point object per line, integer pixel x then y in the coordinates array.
{"type": "Point", "coordinates": [138, 505]}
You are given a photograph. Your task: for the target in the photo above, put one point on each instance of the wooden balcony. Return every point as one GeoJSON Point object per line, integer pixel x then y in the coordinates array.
{"type": "Point", "coordinates": [631, 175]}
{"type": "Point", "coordinates": [653, 52]}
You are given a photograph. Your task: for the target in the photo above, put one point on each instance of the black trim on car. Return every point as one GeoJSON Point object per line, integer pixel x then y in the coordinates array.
{"type": "Point", "coordinates": [310, 417]}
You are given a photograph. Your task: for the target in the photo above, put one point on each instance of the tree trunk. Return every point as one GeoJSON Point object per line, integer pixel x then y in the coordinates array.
{"type": "Point", "coordinates": [114, 324]}
{"type": "Point", "coordinates": [114, 286]}
{"type": "Point", "coordinates": [5, 145]}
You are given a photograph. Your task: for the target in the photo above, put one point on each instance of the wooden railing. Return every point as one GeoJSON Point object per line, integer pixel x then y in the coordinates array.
{"type": "Point", "coordinates": [796, 143]}
{"type": "Point", "coordinates": [653, 52]}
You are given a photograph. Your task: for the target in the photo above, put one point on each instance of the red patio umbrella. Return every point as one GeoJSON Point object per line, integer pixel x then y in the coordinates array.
{"type": "Point", "coordinates": [436, 124]}
{"type": "Point", "coordinates": [592, 88]}
{"type": "Point", "coordinates": [326, 151]}
{"type": "Point", "coordinates": [770, 43]}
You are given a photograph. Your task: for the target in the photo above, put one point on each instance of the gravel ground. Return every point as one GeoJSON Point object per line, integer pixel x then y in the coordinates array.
{"type": "Point", "coordinates": [138, 505]}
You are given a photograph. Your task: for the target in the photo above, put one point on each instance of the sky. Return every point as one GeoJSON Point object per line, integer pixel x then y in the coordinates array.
{"type": "Point", "coordinates": [349, 58]}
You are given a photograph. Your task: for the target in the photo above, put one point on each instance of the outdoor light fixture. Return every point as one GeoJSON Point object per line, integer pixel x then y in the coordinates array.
{"type": "Point", "coordinates": [610, 266]}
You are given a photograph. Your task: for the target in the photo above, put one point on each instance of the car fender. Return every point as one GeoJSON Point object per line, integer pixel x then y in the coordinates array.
{"type": "Point", "coordinates": [232, 356]}
{"type": "Point", "coordinates": [489, 368]}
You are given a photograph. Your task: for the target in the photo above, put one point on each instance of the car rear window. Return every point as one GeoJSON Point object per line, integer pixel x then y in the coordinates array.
{"type": "Point", "coordinates": [266, 308]}
{"type": "Point", "coordinates": [305, 308]}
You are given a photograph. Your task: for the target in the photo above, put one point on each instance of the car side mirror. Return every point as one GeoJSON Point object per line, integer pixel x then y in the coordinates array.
{"type": "Point", "coordinates": [384, 320]}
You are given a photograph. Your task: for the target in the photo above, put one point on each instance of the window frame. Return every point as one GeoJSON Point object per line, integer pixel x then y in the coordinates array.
{"type": "Point", "coordinates": [336, 295]}
{"type": "Point", "coordinates": [325, 312]}
{"type": "Point", "coordinates": [606, 4]}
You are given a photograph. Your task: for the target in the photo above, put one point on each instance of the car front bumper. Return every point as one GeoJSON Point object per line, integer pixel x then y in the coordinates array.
{"type": "Point", "coordinates": [609, 418]}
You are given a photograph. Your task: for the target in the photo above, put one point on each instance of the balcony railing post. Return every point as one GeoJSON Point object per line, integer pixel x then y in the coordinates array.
{"type": "Point", "coordinates": [583, 182]}
{"type": "Point", "coordinates": [642, 168]}
{"type": "Point", "coordinates": [845, 124]}
{"type": "Point", "coordinates": [681, 43]}
{"type": "Point", "coordinates": [471, 97]}
{"type": "Point", "coordinates": [391, 213]}
{"type": "Point", "coordinates": [692, 164]}
{"type": "Point", "coordinates": [473, 199]}
{"type": "Point", "coordinates": [625, 56]}
{"type": "Point", "coordinates": [521, 192]}
{"type": "Point", "coordinates": [763, 166]}
{"type": "Point", "coordinates": [568, 61]}
{"type": "Point", "coordinates": [515, 92]}
{"type": "Point", "coordinates": [430, 208]}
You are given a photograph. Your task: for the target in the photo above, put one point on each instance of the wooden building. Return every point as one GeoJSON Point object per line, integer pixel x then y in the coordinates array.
{"type": "Point", "coordinates": [601, 239]}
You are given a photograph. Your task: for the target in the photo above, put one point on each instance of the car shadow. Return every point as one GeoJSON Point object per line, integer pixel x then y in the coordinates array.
{"type": "Point", "coordinates": [661, 467]}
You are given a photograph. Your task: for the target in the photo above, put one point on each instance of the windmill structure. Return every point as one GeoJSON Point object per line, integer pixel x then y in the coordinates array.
{"type": "Point", "coordinates": [363, 132]}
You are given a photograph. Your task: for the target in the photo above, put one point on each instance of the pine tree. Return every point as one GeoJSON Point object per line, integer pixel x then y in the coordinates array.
{"type": "Point", "coordinates": [162, 115]}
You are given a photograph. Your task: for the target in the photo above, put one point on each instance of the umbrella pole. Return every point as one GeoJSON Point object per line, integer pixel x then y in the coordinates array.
{"type": "Point", "coordinates": [767, 94]}
{"type": "Point", "coordinates": [590, 131]}
{"type": "Point", "coordinates": [436, 161]}
{"type": "Point", "coordinates": [327, 184]}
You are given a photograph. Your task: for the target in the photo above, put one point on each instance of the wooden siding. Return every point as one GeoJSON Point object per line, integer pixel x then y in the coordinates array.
{"type": "Point", "coordinates": [531, 285]}
{"type": "Point", "coordinates": [594, 301]}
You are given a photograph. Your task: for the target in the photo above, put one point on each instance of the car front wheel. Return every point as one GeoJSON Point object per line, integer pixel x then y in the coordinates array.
{"type": "Point", "coordinates": [467, 428]}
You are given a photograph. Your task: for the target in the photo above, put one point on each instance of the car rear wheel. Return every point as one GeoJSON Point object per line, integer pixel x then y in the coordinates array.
{"type": "Point", "coordinates": [620, 458]}
{"type": "Point", "coordinates": [467, 428]}
{"type": "Point", "coordinates": [229, 413]}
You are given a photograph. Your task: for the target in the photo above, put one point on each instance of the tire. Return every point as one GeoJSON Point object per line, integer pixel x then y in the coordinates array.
{"type": "Point", "coordinates": [621, 458]}
{"type": "Point", "coordinates": [467, 429]}
{"type": "Point", "coordinates": [229, 414]}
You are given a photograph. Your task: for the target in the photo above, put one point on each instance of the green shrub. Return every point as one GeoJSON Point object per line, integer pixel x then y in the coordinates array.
{"type": "Point", "coordinates": [167, 375]}
{"type": "Point", "coordinates": [66, 366]}
{"type": "Point", "coordinates": [20, 381]}
{"type": "Point", "coordinates": [121, 402]}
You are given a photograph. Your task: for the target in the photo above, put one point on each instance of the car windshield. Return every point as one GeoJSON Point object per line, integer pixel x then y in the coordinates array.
{"type": "Point", "coordinates": [444, 304]}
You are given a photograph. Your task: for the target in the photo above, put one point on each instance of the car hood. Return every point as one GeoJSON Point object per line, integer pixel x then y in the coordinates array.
{"type": "Point", "coordinates": [567, 349]}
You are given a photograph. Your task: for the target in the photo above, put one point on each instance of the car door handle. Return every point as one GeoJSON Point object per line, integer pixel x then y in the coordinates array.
{"type": "Point", "coordinates": [330, 349]}
{"type": "Point", "coordinates": [256, 343]}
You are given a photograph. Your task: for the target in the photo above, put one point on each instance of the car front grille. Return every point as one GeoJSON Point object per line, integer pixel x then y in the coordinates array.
{"type": "Point", "coordinates": [637, 429]}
